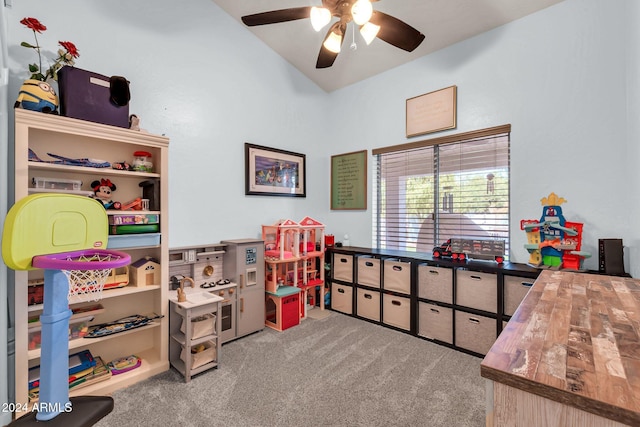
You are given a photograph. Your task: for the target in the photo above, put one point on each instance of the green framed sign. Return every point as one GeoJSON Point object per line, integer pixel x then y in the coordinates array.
{"type": "Point", "coordinates": [349, 181]}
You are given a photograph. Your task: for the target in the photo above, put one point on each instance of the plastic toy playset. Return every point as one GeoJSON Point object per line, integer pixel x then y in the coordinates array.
{"type": "Point", "coordinates": [552, 241]}
{"type": "Point", "coordinates": [64, 235]}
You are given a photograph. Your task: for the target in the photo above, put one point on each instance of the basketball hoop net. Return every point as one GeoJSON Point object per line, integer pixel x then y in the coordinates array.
{"type": "Point", "coordinates": [86, 271]}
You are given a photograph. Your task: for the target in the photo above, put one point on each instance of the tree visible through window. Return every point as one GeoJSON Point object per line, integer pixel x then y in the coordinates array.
{"type": "Point", "coordinates": [433, 190]}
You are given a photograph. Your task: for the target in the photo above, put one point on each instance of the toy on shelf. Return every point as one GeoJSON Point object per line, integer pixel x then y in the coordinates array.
{"type": "Point", "coordinates": [135, 204]}
{"type": "Point", "coordinates": [118, 278]}
{"type": "Point", "coordinates": [142, 162]}
{"type": "Point", "coordinates": [552, 241]}
{"type": "Point", "coordinates": [102, 190]}
{"type": "Point", "coordinates": [145, 272]}
{"type": "Point", "coordinates": [37, 95]}
{"type": "Point", "coordinates": [460, 249]}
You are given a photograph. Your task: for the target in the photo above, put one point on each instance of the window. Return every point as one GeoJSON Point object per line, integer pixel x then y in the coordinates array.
{"type": "Point", "coordinates": [432, 190]}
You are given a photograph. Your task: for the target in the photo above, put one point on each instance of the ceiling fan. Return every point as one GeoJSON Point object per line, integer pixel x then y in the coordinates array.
{"type": "Point", "coordinates": [372, 24]}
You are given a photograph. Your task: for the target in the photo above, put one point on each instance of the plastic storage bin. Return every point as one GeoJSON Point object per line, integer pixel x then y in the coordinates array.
{"type": "Point", "coordinates": [435, 283]}
{"type": "Point", "coordinates": [435, 322]}
{"type": "Point", "coordinates": [56, 184]}
{"type": "Point", "coordinates": [477, 290]}
{"type": "Point", "coordinates": [396, 276]}
{"type": "Point", "coordinates": [78, 328]}
{"type": "Point", "coordinates": [368, 304]}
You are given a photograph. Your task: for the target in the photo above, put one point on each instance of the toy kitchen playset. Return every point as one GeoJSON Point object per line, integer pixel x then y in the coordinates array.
{"type": "Point", "coordinates": [233, 270]}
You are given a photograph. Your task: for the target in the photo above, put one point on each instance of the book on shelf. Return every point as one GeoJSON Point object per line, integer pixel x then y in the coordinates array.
{"type": "Point", "coordinates": [81, 379]}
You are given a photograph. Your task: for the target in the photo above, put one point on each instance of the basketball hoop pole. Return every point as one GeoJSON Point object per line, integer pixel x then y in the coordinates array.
{"type": "Point", "coordinates": [54, 366]}
{"type": "Point", "coordinates": [60, 274]}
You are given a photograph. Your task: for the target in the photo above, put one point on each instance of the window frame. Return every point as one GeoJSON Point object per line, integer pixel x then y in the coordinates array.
{"type": "Point", "coordinates": [379, 236]}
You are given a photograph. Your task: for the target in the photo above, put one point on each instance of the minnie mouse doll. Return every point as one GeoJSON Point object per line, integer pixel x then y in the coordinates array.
{"type": "Point", "coordinates": [102, 192]}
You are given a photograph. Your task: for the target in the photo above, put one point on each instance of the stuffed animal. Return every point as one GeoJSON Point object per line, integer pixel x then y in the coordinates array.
{"type": "Point", "coordinates": [102, 192]}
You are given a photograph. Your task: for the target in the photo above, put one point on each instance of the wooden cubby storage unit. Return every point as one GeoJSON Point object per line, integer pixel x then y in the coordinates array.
{"type": "Point", "coordinates": [459, 304]}
{"type": "Point", "coordinates": [45, 133]}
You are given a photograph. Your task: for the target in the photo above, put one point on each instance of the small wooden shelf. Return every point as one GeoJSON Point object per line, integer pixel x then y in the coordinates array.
{"type": "Point", "coordinates": [151, 365]}
{"type": "Point", "coordinates": [83, 170]}
{"type": "Point", "coordinates": [83, 342]}
{"type": "Point", "coordinates": [182, 368]}
{"type": "Point", "coordinates": [181, 338]}
{"type": "Point", "coordinates": [53, 190]}
{"type": "Point", "coordinates": [109, 293]}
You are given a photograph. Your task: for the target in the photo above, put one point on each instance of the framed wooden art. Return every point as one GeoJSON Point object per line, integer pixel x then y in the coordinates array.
{"type": "Point", "coordinates": [273, 172]}
{"type": "Point", "coordinates": [349, 181]}
{"type": "Point", "coordinates": [432, 112]}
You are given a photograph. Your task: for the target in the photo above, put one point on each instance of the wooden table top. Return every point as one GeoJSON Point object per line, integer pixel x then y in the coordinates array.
{"type": "Point", "coordinates": [575, 339]}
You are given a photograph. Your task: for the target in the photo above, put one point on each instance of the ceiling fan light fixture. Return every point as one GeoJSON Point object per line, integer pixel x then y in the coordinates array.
{"type": "Point", "coordinates": [369, 32]}
{"type": "Point", "coordinates": [333, 42]}
{"type": "Point", "coordinates": [320, 17]}
{"type": "Point", "coordinates": [361, 11]}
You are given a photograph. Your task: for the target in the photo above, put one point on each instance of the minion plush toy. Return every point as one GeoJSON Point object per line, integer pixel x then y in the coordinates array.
{"type": "Point", "coordinates": [37, 96]}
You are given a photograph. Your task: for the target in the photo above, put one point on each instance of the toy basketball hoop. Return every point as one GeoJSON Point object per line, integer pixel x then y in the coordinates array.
{"type": "Point", "coordinates": [85, 270]}
{"type": "Point", "coordinates": [65, 235]}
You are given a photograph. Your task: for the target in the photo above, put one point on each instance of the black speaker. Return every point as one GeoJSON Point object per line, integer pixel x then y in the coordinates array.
{"type": "Point", "coordinates": [610, 257]}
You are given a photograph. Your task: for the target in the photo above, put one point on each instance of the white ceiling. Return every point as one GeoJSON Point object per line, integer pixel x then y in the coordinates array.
{"type": "Point", "coordinates": [443, 22]}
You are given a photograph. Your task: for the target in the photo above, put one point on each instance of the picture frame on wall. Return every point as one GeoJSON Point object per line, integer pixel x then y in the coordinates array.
{"type": "Point", "coordinates": [274, 172]}
{"type": "Point", "coordinates": [432, 112]}
{"type": "Point", "coordinates": [349, 181]}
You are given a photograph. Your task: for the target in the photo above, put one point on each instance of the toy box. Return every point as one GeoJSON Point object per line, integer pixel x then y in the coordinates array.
{"type": "Point", "coordinates": [56, 183]}
{"type": "Point", "coordinates": [78, 328]}
{"type": "Point", "coordinates": [87, 96]}
{"type": "Point", "coordinates": [131, 219]}
{"type": "Point", "coordinates": [134, 229]}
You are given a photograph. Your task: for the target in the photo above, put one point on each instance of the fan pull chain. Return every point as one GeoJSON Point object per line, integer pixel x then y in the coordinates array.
{"type": "Point", "coordinates": [353, 46]}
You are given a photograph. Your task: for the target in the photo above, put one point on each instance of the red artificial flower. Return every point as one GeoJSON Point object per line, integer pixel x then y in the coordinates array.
{"type": "Point", "coordinates": [71, 48]}
{"type": "Point", "coordinates": [33, 24]}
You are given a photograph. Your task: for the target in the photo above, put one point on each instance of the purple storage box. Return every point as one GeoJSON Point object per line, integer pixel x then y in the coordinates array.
{"type": "Point", "coordinates": [85, 95]}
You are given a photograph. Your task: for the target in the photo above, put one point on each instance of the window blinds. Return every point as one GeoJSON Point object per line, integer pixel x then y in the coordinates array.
{"type": "Point", "coordinates": [430, 191]}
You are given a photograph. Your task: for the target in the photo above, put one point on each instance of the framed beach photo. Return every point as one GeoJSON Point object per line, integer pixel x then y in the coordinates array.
{"type": "Point", "coordinates": [273, 172]}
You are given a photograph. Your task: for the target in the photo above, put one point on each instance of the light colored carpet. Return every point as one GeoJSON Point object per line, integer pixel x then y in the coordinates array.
{"type": "Point", "coordinates": [336, 371]}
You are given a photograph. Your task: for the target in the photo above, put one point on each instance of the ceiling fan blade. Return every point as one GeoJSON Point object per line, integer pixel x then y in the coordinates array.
{"type": "Point", "coordinates": [396, 32]}
{"type": "Point", "coordinates": [326, 58]}
{"type": "Point", "coordinates": [276, 16]}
